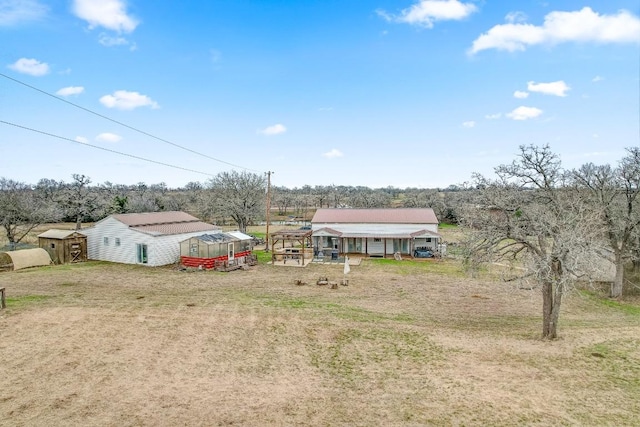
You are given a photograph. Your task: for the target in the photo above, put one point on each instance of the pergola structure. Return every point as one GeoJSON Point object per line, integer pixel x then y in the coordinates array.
{"type": "Point", "coordinates": [302, 238]}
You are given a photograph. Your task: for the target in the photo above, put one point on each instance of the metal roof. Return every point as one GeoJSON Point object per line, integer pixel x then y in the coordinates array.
{"type": "Point", "coordinates": [154, 218]}
{"type": "Point", "coordinates": [239, 235]}
{"type": "Point", "coordinates": [59, 234]}
{"type": "Point", "coordinates": [382, 235]}
{"type": "Point", "coordinates": [176, 228]}
{"type": "Point", "coordinates": [376, 216]}
{"type": "Point", "coordinates": [165, 223]}
{"type": "Point", "coordinates": [326, 231]}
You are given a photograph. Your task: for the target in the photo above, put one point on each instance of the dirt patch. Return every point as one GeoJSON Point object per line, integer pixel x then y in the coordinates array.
{"type": "Point", "coordinates": [106, 344]}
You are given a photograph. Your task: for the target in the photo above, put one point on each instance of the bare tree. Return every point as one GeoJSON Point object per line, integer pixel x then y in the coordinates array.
{"type": "Point", "coordinates": [79, 199]}
{"type": "Point", "coordinates": [22, 209]}
{"type": "Point", "coordinates": [239, 195]}
{"type": "Point", "coordinates": [614, 193]}
{"type": "Point", "coordinates": [282, 198]}
{"type": "Point", "coordinates": [529, 215]}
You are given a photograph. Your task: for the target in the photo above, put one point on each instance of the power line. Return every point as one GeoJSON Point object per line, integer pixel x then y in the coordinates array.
{"type": "Point", "coordinates": [124, 124]}
{"type": "Point", "coordinates": [105, 149]}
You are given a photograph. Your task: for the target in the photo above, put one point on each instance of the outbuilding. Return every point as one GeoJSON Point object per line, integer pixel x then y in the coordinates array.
{"type": "Point", "coordinates": [216, 250]}
{"type": "Point", "coordinates": [24, 258]}
{"type": "Point", "coordinates": [64, 246]}
{"type": "Point", "coordinates": [151, 238]}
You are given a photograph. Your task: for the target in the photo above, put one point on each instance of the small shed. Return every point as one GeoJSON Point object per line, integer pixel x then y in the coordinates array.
{"type": "Point", "coordinates": [215, 250]}
{"type": "Point", "coordinates": [17, 260]}
{"type": "Point", "coordinates": [64, 246]}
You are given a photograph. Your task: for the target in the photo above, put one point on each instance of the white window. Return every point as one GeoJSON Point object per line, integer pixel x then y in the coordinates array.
{"type": "Point", "coordinates": [106, 241]}
{"type": "Point", "coordinates": [117, 241]}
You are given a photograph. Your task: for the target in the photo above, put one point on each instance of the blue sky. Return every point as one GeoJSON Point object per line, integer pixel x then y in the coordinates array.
{"type": "Point", "coordinates": [400, 93]}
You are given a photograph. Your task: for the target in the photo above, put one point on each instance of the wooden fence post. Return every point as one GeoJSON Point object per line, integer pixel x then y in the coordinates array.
{"type": "Point", "coordinates": [2, 301]}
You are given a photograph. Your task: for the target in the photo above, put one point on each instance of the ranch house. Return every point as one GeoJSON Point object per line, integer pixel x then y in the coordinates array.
{"type": "Point", "coordinates": [151, 238]}
{"type": "Point", "coordinates": [376, 232]}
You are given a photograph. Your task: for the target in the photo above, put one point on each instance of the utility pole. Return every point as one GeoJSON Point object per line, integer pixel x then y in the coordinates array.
{"type": "Point", "coordinates": [266, 239]}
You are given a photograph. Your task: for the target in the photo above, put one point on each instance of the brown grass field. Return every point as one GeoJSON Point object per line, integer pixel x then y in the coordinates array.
{"type": "Point", "coordinates": [406, 343]}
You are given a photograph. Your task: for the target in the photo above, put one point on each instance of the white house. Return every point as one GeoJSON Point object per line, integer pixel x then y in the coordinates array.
{"type": "Point", "coordinates": [376, 232]}
{"type": "Point", "coordinates": [151, 238]}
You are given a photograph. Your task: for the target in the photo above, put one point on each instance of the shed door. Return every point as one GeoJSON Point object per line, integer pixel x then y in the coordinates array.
{"type": "Point", "coordinates": [231, 252]}
{"type": "Point", "coordinates": [75, 252]}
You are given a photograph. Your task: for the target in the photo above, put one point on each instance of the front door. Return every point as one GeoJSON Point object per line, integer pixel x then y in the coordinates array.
{"type": "Point", "coordinates": [376, 246]}
{"type": "Point", "coordinates": [231, 252]}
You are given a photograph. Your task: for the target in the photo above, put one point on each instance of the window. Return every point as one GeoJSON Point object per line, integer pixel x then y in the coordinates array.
{"type": "Point", "coordinates": [377, 239]}
{"type": "Point", "coordinates": [117, 241]}
{"type": "Point", "coordinates": [106, 241]}
{"type": "Point", "coordinates": [428, 239]}
{"type": "Point", "coordinates": [53, 246]}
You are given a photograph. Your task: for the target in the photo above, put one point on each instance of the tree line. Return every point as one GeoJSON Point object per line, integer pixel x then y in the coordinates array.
{"type": "Point", "coordinates": [230, 197]}
{"type": "Point", "coordinates": [557, 224]}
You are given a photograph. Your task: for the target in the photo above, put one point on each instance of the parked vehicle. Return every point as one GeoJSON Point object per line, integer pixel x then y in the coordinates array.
{"type": "Point", "coordinates": [422, 253]}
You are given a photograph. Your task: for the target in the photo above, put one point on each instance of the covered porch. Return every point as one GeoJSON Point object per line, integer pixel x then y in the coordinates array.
{"type": "Point", "coordinates": [418, 244]}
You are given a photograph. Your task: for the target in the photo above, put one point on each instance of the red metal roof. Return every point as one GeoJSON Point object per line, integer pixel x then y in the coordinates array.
{"type": "Point", "coordinates": [176, 228]}
{"type": "Point", "coordinates": [160, 223]}
{"type": "Point", "coordinates": [376, 216]}
{"type": "Point", "coordinates": [152, 218]}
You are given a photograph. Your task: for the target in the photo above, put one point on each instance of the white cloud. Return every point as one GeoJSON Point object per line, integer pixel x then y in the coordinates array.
{"type": "Point", "coordinates": [125, 100]}
{"type": "Point", "coordinates": [82, 139]}
{"type": "Point", "coordinates": [14, 12]}
{"type": "Point", "coordinates": [32, 67]}
{"type": "Point", "coordinates": [493, 116]}
{"type": "Point", "coordinates": [273, 130]}
{"type": "Point", "coordinates": [332, 154]}
{"type": "Point", "coordinates": [559, 27]}
{"type": "Point", "coordinates": [558, 88]}
{"type": "Point", "coordinates": [425, 12]}
{"type": "Point", "coordinates": [597, 79]}
{"type": "Point", "coordinates": [70, 90]}
{"type": "Point", "coordinates": [109, 14]}
{"type": "Point", "coordinates": [108, 41]}
{"type": "Point", "coordinates": [469, 124]}
{"type": "Point", "coordinates": [524, 113]}
{"type": "Point", "coordinates": [108, 137]}
{"type": "Point", "coordinates": [520, 94]}
{"type": "Point", "coordinates": [515, 17]}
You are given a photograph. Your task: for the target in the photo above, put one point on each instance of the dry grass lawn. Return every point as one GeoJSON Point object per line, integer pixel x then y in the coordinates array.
{"type": "Point", "coordinates": [407, 343]}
